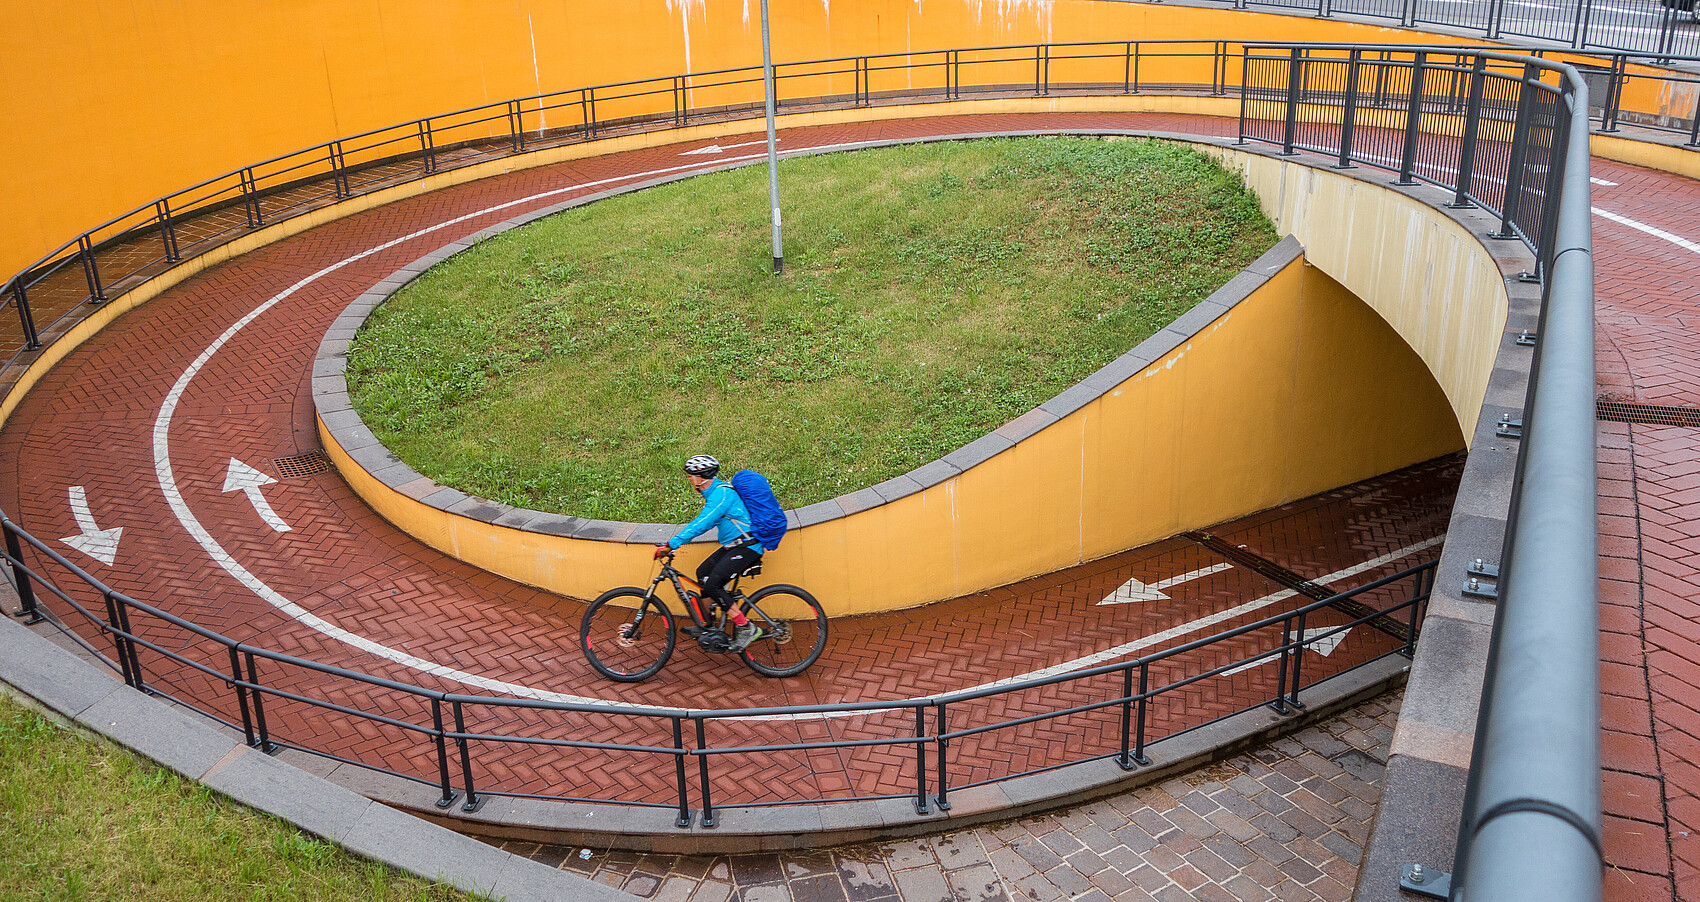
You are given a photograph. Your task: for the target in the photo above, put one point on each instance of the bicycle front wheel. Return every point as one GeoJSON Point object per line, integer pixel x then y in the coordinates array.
{"type": "Point", "coordinates": [627, 635]}
{"type": "Point", "coordinates": [792, 631]}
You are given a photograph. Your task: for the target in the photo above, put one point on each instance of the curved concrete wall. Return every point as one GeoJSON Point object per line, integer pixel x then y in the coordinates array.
{"type": "Point", "coordinates": [197, 88]}
{"type": "Point", "coordinates": [1279, 386]}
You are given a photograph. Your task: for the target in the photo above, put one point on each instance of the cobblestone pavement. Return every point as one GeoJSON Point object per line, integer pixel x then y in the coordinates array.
{"type": "Point", "coordinates": [1285, 821]}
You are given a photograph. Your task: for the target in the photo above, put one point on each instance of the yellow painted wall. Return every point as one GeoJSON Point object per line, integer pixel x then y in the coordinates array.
{"type": "Point", "coordinates": [1424, 273]}
{"type": "Point", "coordinates": [109, 105]}
{"type": "Point", "coordinates": [1297, 390]}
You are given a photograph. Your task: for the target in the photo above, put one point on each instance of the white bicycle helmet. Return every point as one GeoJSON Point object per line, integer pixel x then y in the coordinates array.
{"type": "Point", "coordinates": [702, 465]}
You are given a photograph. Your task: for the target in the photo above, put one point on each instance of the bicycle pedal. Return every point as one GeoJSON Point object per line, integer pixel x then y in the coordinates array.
{"type": "Point", "coordinates": [690, 632]}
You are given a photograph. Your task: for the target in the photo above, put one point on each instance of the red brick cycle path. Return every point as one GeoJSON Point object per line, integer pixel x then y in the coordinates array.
{"type": "Point", "coordinates": [90, 423]}
{"type": "Point", "coordinates": [1649, 353]}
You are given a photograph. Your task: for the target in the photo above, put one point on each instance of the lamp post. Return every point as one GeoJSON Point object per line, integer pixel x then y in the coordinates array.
{"type": "Point", "coordinates": [772, 143]}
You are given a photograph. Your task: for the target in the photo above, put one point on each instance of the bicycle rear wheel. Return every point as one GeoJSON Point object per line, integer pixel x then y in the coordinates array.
{"type": "Point", "coordinates": [626, 635]}
{"type": "Point", "coordinates": [785, 647]}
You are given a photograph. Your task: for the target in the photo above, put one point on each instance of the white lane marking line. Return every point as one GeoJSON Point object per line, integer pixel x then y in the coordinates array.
{"type": "Point", "coordinates": [1209, 620]}
{"type": "Point", "coordinates": [719, 148]}
{"type": "Point", "coordinates": [1323, 647]}
{"type": "Point", "coordinates": [191, 524]}
{"type": "Point", "coordinates": [100, 544]}
{"type": "Point", "coordinates": [247, 480]}
{"type": "Point", "coordinates": [1134, 590]}
{"type": "Point", "coordinates": [1677, 240]}
{"type": "Point", "coordinates": [1602, 182]}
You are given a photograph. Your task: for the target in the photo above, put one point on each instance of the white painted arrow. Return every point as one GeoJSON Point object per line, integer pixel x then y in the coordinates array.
{"type": "Point", "coordinates": [1324, 647]}
{"type": "Point", "coordinates": [1134, 590]}
{"type": "Point", "coordinates": [100, 544]}
{"type": "Point", "coordinates": [244, 478]}
{"type": "Point", "coordinates": [717, 148]}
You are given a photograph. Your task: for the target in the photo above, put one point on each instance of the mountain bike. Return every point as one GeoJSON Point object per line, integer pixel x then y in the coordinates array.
{"type": "Point", "coordinates": [628, 633]}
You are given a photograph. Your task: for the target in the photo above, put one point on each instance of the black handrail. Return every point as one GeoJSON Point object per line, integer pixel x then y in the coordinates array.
{"type": "Point", "coordinates": [244, 679]}
{"type": "Point", "coordinates": [264, 189]}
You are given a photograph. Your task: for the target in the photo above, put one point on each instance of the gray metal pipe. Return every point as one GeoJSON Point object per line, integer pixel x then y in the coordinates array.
{"type": "Point", "coordinates": [1532, 828]}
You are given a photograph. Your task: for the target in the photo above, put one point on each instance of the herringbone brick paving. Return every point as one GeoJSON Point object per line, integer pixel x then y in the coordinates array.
{"type": "Point", "coordinates": [90, 424]}
{"type": "Point", "coordinates": [1648, 352]}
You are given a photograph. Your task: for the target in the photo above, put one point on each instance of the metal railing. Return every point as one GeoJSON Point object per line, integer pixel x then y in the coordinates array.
{"type": "Point", "coordinates": [1635, 26]}
{"type": "Point", "coordinates": [1509, 134]}
{"type": "Point", "coordinates": [1502, 131]}
{"type": "Point", "coordinates": [456, 742]}
{"type": "Point", "coordinates": [126, 251]}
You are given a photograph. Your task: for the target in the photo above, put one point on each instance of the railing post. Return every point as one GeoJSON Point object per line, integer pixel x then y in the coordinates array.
{"type": "Point", "coordinates": [128, 648]}
{"type": "Point", "coordinates": [921, 760]}
{"type": "Point", "coordinates": [1516, 161]}
{"type": "Point", "coordinates": [1294, 74]}
{"type": "Point", "coordinates": [339, 169]}
{"type": "Point", "coordinates": [1349, 116]}
{"type": "Point", "coordinates": [943, 798]}
{"type": "Point", "coordinates": [130, 677]}
{"type": "Point", "coordinates": [1139, 730]}
{"type": "Point", "coordinates": [1614, 93]}
{"type": "Point", "coordinates": [26, 321]}
{"type": "Point", "coordinates": [1693, 131]}
{"type": "Point", "coordinates": [91, 270]}
{"type": "Point", "coordinates": [1038, 69]}
{"type": "Point", "coordinates": [678, 100]}
{"type": "Point", "coordinates": [263, 740]}
{"type": "Point", "coordinates": [1124, 759]}
{"type": "Point", "coordinates": [473, 800]}
{"type": "Point", "coordinates": [251, 198]}
{"type": "Point", "coordinates": [1579, 25]}
{"type": "Point", "coordinates": [516, 126]}
{"type": "Point", "coordinates": [684, 818]}
{"type": "Point", "coordinates": [21, 575]}
{"type": "Point", "coordinates": [1280, 702]}
{"type": "Point", "coordinates": [587, 106]}
{"type": "Point", "coordinates": [241, 696]}
{"type": "Point", "coordinates": [443, 778]}
{"type": "Point", "coordinates": [1219, 72]}
{"type": "Point", "coordinates": [1496, 10]}
{"type": "Point", "coordinates": [1417, 593]}
{"type": "Point", "coordinates": [1467, 145]}
{"type": "Point", "coordinates": [1127, 67]}
{"type": "Point", "coordinates": [1245, 91]}
{"type": "Point", "coordinates": [1413, 122]}
{"type": "Point", "coordinates": [1298, 662]}
{"type": "Point", "coordinates": [427, 146]}
{"type": "Point", "coordinates": [167, 231]}
{"type": "Point", "coordinates": [708, 818]}
{"type": "Point", "coordinates": [1667, 32]}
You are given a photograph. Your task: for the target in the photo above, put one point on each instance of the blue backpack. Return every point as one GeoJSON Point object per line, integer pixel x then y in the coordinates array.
{"type": "Point", "coordinates": [767, 518]}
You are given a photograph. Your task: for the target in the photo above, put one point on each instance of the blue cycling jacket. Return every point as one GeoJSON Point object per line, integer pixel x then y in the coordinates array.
{"type": "Point", "coordinates": [721, 507]}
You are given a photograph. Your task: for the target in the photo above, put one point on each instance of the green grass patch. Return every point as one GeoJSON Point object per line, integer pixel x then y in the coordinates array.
{"type": "Point", "coordinates": [85, 820]}
{"type": "Point", "coordinates": [931, 293]}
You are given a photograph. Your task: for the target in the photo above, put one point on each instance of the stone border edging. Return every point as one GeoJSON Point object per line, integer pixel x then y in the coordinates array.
{"type": "Point", "coordinates": [396, 821]}
{"type": "Point", "coordinates": [65, 685]}
{"type": "Point", "coordinates": [343, 423]}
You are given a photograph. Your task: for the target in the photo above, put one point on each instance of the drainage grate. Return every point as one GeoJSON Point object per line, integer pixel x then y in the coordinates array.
{"type": "Point", "coordinates": [1651, 414]}
{"type": "Point", "coordinates": [302, 464]}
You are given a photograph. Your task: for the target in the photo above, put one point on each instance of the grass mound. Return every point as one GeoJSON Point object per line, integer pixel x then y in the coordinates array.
{"type": "Point", "coordinates": [931, 294]}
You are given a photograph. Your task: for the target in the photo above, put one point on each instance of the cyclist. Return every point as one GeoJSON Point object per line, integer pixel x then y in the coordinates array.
{"type": "Point", "coordinates": [738, 551]}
